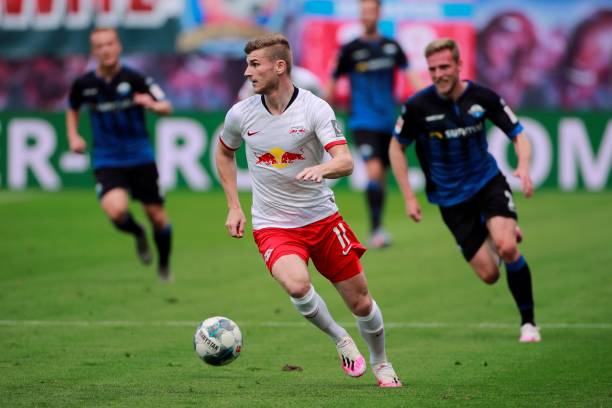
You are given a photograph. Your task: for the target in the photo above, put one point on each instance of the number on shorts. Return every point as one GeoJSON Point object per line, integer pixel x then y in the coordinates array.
{"type": "Point", "coordinates": [345, 242]}
{"type": "Point", "coordinates": [511, 205]}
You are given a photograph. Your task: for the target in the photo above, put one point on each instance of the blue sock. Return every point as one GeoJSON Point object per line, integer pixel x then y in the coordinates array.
{"type": "Point", "coordinates": [519, 282]}
{"type": "Point", "coordinates": [163, 242]}
{"type": "Point", "coordinates": [128, 224]}
{"type": "Point", "coordinates": [375, 195]}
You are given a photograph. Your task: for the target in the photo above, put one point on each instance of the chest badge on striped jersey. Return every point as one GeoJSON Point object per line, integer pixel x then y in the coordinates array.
{"type": "Point", "coordinates": [476, 111]}
{"type": "Point", "coordinates": [124, 88]}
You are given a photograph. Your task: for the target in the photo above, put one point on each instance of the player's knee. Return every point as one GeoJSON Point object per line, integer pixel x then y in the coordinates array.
{"type": "Point", "coordinates": [158, 219]}
{"type": "Point", "coordinates": [159, 223]}
{"type": "Point", "coordinates": [361, 305]}
{"type": "Point", "coordinates": [297, 290]}
{"type": "Point", "coordinates": [491, 277]}
{"type": "Point", "coordinates": [489, 273]}
{"type": "Point", "coordinates": [116, 214]}
{"type": "Point", "coordinates": [507, 250]}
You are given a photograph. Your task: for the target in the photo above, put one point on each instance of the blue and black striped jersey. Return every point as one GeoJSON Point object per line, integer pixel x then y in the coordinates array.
{"type": "Point", "coordinates": [120, 137]}
{"type": "Point", "coordinates": [451, 142]}
{"type": "Point", "coordinates": [371, 68]}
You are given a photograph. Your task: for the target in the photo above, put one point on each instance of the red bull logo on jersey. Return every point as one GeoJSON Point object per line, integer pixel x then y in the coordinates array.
{"type": "Point", "coordinates": [278, 158]}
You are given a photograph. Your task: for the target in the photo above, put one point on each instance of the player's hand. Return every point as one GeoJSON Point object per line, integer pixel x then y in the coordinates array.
{"type": "Point", "coordinates": [311, 173]}
{"type": "Point", "coordinates": [413, 209]}
{"type": "Point", "coordinates": [235, 222]}
{"type": "Point", "coordinates": [144, 99]}
{"type": "Point", "coordinates": [77, 144]}
{"type": "Point", "coordinates": [526, 184]}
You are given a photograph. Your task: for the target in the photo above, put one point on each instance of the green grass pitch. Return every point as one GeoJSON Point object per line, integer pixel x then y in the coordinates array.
{"type": "Point", "coordinates": [82, 323]}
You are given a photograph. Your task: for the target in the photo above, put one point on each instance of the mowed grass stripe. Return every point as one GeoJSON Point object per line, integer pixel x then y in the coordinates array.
{"type": "Point", "coordinates": [389, 325]}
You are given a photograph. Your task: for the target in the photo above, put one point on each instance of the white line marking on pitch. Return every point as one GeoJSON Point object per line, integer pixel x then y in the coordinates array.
{"type": "Point", "coordinates": [390, 325]}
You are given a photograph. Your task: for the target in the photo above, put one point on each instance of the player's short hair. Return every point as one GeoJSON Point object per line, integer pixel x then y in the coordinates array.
{"type": "Point", "coordinates": [277, 45]}
{"type": "Point", "coordinates": [100, 29]}
{"type": "Point", "coordinates": [378, 2]}
{"type": "Point", "coordinates": [442, 44]}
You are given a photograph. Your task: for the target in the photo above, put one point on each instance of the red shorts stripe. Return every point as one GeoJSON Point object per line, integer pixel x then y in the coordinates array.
{"type": "Point", "coordinates": [330, 243]}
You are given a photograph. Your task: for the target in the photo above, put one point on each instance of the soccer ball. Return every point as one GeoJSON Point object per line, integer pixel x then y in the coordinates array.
{"type": "Point", "coordinates": [217, 341]}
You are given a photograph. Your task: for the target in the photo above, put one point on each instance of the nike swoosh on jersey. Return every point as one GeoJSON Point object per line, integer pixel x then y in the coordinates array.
{"type": "Point", "coordinates": [252, 132]}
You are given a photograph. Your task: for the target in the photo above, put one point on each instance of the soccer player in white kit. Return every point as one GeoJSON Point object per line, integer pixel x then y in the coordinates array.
{"type": "Point", "coordinates": [295, 218]}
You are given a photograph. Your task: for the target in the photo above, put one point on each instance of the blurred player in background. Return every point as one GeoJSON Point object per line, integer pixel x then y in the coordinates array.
{"type": "Point", "coordinates": [371, 61]}
{"type": "Point", "coordinates": [447, 121]}
{"type": "Point", "coordinates": [122, 154]}
{"type": "Point", "coordinates": [286, 131]}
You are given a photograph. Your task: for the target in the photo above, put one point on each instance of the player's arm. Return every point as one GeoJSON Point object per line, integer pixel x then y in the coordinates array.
{"type": "Point", "coordinates": [504, 118]}
{"type": "Point", "coordinates": [341, 164]}
{"type": "Point", "coordinates": [406, 130]}
{"type": "Point", "coordinates": [329, 90]}
{"type": "Point", "coordinates": [76, 143]}
{"type": "Point", "coordinates": [226, 167]}
{"type": "Point", "coordinates": [414, 79]}
{"type": "Point", "coordinates": [162, 107]}
{"type": "Point", "coordinates": [150, 96]}
{"type": "Point", "coordinates": [343, 66]}
{"type": "Point", "coordinates": [522, 147]}
{"type": "Point", "coordinates": [75, 98]}
{"type": "Point", "coordinates": [399, 166]}
{"type": "Point", "coordinates": [225, 159]}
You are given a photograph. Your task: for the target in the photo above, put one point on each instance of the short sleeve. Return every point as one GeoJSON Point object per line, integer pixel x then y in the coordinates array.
{"type": "Point", "coordinates": [344, 63]}
{"type": "Point", "coordinates": [154, 89]}
{"type": "Point", "coordinates": [138, 82]}
{"type": "Point", "coordinates": [231, 135]}
{"type": "Point", "coordinates": [500, 114]}
{"type": "Point", "coordinates": [326, 127]}
{"type": "Point", "coordinates": [401, 61]}
{"type": "Point", "coordinates": [75, 96]}
{"type": "Point", "coordinates": [407, 126]}
{"type": "Point", "coordinates": [146, 84]}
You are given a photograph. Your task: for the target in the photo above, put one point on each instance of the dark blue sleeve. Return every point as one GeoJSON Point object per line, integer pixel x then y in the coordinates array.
{"type": "Point", "coordinates": [146, 84]}
{"type": "Point", "coordinates": [500, 114]}
{"type": "Point", "coordinates": [407, 126]}
{"type": "Point", "coordinates": [401, 61]}
{"type": "Point", "coordinates": [75, 96]}
{"type": "Point", "coordinates": [344, 63]}
{"type": "Point", "coordinates": [139, 82]}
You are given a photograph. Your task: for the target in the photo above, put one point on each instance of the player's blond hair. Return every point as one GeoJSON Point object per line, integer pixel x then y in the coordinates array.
{"type": "Point", "coordinates": [442, 44]}
{"type": "Point", "coordinates": [277, 46]}
{"type": "Point", "coordinates": [100, 29]}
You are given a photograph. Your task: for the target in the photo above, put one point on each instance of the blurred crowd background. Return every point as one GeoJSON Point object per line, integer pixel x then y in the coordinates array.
{"type": "Point", "coordinates": [543, 55]}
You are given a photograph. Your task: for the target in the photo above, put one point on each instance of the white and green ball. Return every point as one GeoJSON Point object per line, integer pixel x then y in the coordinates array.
{"type": "Point", "coordinates": [217, 341]}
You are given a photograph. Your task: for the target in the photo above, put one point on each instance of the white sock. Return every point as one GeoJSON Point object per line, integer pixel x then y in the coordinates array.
{"type": "Point", "coordinates": [372, 329]}
{"type": "Point", "coordinates": [313, 308]}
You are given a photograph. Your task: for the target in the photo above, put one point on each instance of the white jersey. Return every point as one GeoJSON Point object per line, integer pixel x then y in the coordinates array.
{"type": "Point", "coordinates": [278, 147]}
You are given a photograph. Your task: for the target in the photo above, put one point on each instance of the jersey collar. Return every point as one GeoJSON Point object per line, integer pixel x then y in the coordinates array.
{"type": "Point", "coordinates": [293, 98]}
